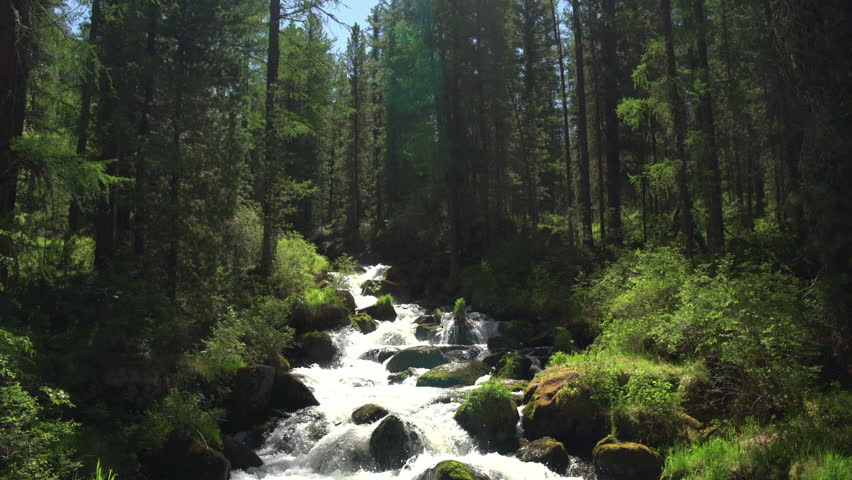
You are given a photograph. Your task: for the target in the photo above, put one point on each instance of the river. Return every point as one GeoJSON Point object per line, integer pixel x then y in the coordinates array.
{"type": "Point", "coordinates": [322, 442]}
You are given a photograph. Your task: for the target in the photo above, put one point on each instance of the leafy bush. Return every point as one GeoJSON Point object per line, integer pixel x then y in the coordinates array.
{"type": "Point", "coordinates": [316, 297]}
{"type": "Point", "coordinates": [297, 264]}
{"type": "Point", "coordinates": [185, 414]}
{"type": "Point", "coordinates": [385, 300]}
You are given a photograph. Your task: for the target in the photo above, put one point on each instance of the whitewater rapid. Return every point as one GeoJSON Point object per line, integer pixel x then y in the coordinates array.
{"type": "Point", "coordinates": [322, 443]}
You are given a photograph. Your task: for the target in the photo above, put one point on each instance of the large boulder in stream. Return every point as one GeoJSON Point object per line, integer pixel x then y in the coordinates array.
{"type": "Point", "coordinates": [367, 414]}
{"type": "Point", "coordinates": [383, 310]}
{"type": "Point", "coordinates": [186, 457]}
{"type": "Point", "coordinates": [546, 451]}
{"type": "Point", "coordinates": [557, 407]}
{"type": "Point", "coordinates": [452, 470]}
{"type": "Point", "coordinates": [514, 366]}
{"type": "Point", "coordinates": [316, 347]}
{"type": "Point", "coordinates": [453, 375]}
{"type": "Point", "coordinates": [327, 316]}
{"type": "Point", "coordinates": [427, 328]}
{"type": "Point", "coordinates": [383, 287]}
{"type": "Point", "coordinates": [347, 299]}
{"type": "Point", "coordinates": [363, 323]}
{"type": "Point", "coordinates": [251, 393]}
{"type": "Point", "coordinates": [626, 461]}
{"type": "Point", "coordinates": [416, 357]}
{"type": "Point", "coordinates": [240, 455]}
{"type": "Point", "coordinates": [379, 354]}
{"type": "Point", "coordinates": [392, 443]}
{"type": "Point", "coordinates": [489, 415]}
{"type": "Point", "coordinates": [290, 394]}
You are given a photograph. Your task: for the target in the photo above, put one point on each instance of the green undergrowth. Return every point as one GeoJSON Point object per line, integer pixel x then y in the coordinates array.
{"type": "Point", "coordinates": [815, 444]}
{"type": "Point", "coordinates": [385, 300]}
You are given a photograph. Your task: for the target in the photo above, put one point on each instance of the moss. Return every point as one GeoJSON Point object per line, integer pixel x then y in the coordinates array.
{"type": "Point", "coordinates": [513, 366]}
{"type": "Point", "coordinates": [453, 374]}
{"type": "Point", "coordinates": [452, 470]}
{"type": "Point", "coordinates": [385, 300]}
{"type": "Point", "coordinates": [363, 322]}
{"type": "Point", "coordinates": [368, 414]}
{"type": "Point", "coordinates": [490, 416]}
{"type": "Point", "coordinates": [628, 460]}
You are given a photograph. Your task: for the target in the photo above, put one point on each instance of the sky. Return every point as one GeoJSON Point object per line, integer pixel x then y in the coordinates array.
{"type": "Point", "coordinates": [348, 12]}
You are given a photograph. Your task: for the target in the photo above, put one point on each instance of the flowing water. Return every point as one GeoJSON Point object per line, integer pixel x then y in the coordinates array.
{"type": "Point", "coordinates": [322, 442]}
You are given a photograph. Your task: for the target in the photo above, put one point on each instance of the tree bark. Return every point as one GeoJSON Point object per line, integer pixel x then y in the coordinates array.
{"type": "Point", "coordinates": [678, 126]}
{"type": "Point", "coordinates": [569, 177]}
{"type": "Point", "coordinates": [613, 163]}
{"type": "Point", "coordinates": [267, 250]}
{"type": "Point", "coordinates": [584, 195]}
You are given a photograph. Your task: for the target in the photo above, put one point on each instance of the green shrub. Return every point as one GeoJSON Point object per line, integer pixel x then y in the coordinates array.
{"type": "Point", "coordinates": [489, 393]}
{"type": "Point", "coordinates": [184, 414]}
{"type": "Point", "coordinates": [459, 308]}
{"type": "Point", "coordinates": [317, 297]}
{"type": "Point", "coordinates": [563, 340]}
{"type": "Point", "coordinates": [101, 474]}
{"type": "Point", "coordinates": [297, 264]}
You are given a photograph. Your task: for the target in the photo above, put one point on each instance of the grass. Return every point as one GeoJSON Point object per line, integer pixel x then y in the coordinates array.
{"type": "Point", "coordinates": [317, 297]}
{"type": "Point", "coordinates": [459, 308]}
{"type": "Point", "coordinates": [385, 300]}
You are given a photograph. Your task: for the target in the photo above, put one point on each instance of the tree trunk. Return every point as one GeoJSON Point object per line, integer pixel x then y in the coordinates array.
{"type": "Point", "coordinates": [141, 216]}
{"type": "Point", "coordinates": [613, 163]}
{"type": "Point", "coordinates": [267, 250]}
{"type": "Point", "coordinates": [678, 126]}
{"type": "Point", "coordinates": [569, 180]}
{"type": "Point", "coordinates": [712, 179]}
{"type": "Point", "coordinates": [584, 197]}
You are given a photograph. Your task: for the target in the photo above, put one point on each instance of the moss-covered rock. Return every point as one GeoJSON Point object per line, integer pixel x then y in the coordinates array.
{"type": "Point", "coordinates": [452, 470]}
{"type": "Point", "coordinates": [363, 322]}
{"type": "Point", "coordinates": [251, 393]}
{"type": "Point", "coordinates": [187, 457]}
{"type": "Point", "coordinates": [489, 415]}
{"type": "Point", "coordinates": [383, 310]}
{"type": "Point", "coordinates": [327, 316]}
{"type": "Point", "coordinates": [453, 375]}
{"type": "Point", "coordinates": [556, 407]}
{"type": "Point", "coordinates": [416, 357]}
{"type": "Point", "coordinates": [240, 455]}
{"type": "Point", "coordinates": [392, 443]}
{"type": "Point", "coordinates": [346, 299]}
{"type": "Point", "coordinates": [514, 366]}
{"type": "Point", "coordinates": [626, 461]}
{"type": "Point", "coordinates": [316, 347]}
{"type": "Point", "coordinates": [656, 427]}
{"type": "Point", "coordinates": [546, 451]}
{"type": "Point", "coordinates": [368, 414]}
{"type": "Point", "coordinates": [379, 354]}
{"type": "Point", "coordinates": [513, 385]}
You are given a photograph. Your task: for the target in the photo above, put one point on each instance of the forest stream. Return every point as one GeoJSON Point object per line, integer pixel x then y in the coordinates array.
{"type": "Point", "coordinates": [322, 442]}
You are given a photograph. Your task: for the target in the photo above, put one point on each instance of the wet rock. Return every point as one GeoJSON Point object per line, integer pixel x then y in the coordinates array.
{"type": "Point", "coordinates": [381, 311]}
{"type": "Point", "coordinates": [416, 357]}
{"type": "Point", "coordinates": [347, 299]}
{"type": "Point", "coordinates": [290, 394]}
{"type": "Point", "coordinates": [251, 394]}
{"type": "Point", "coordinates": [316, 347]}
{"type": "Point", "coordinates": [513, 385]}
{"type": "Point", "coordinates": [489, 415]}
{"type": "Point", "coordinates": [383, 287]}
{"type": "Point", "coordinates": [453, 375]}
{"type": "Point", "coordinates": [555, 408]}
{"type": "Point", "coordinates": [397, 378]}
{"type": "Point", "coordinates": [369, 413]}
{"type": "Point", "coordinates": [184, 457]}
{"type": "Point", "coordinates": [426, 332]}
{"type": "Point", "coordinates": [253, 439]}
{"type": "Point", "coordinates": [379, 354]}
{"type": "Point", "coordinates": [392, 443]}
{"type": "Point", "coordinates": [240, 455]}
{"type": "Point", "coordinates": [319, 317]}
{"type": "Point", "coordinates": [492, 358]}
{"type": "Point", "coordinates": [514, 366]}
{"type": "Point", "coordinates": [452, 470]}
{"type": "Point", "coordinates": [363, 322]}
{"type": "Point", "coordinates": [460, 353]}
{"type": "Point", "coordinates": [546, 451]}
{"type": "Point", "coordinates": [626, 461]}
{"type": "Point", "coordinates": [502, 343]}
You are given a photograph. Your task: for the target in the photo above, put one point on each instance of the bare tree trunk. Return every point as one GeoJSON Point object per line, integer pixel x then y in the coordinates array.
{"type": "Point", "coordinates": [613, 163]}
{"type": "Point", "coordinates": [569, 177]}
{"type": "Point", "coordinates": [678, 126]}
{"type": "Point", "coordinates": [267, 250]}
{"type": "Point", "coordinates": [584, 197]}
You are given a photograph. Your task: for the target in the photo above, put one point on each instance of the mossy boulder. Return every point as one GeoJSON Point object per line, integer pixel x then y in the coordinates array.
{"type": "Point", "coordinates": [626, 461]}
{"type": "Point", "coordinates": [383, 287]}
{"type": "Point", "coordinates": [369, 413]}
{"type": "Point", "coordinates": [452, 470]}
{"type": "Point", "coordinates": [187, 457]}
{"type": "Point", "coordinates": [557, 407]}
{"type": "Point", "coordinates": [327, 316]}
{"type": "Point", "coordinates": [383, 310]}
{"type": "Point", "coordinates": [489, 415]}
{"type": "Point", "coordinates": [514, 366]}
{"type": "Point", "coordinates": [363, 322]}
{"type": "Point", "coordinates": [290, 394]}
{"type": "Point", "coordinates": [416, 357]}
{"type": "Point", "coordinates": [657, 427]}
{"type": "Point", "coordinates": [546, 451]}
{"type": "Point", "coordinates": [316, 347]}
{"type": "Point", "coordinates": [453, 375]}
{"type": "Point", "coordinates": [392, 443]}
{"type": "Point", "coordinates": [346, 299]}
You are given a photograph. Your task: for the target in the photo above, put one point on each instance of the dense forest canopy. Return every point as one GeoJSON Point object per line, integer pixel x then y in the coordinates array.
{"type": "Point", "coordinates": [611, 176]}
